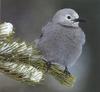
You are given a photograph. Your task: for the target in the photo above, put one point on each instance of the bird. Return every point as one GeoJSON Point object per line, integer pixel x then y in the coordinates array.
{"type": "Point", "coordinates": [62, 39]}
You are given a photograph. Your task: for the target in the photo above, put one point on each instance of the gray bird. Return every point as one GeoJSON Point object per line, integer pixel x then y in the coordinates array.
{"type": "Point", "coordinates": [62, 39]}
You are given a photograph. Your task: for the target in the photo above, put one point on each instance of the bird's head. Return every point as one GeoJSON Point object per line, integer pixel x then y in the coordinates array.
{"type": "Point", "coordinates": [67, 17]}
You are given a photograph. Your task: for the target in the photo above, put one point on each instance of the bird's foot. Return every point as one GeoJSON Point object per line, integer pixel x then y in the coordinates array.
{"type": "Point", "coordinates": [66, 71]}
{"type": "Point", "coordinates": [48, 64]}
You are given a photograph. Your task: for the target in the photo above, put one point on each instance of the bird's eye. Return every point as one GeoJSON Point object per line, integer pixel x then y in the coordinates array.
{"type": "Point", "coordinates": [68, 17]}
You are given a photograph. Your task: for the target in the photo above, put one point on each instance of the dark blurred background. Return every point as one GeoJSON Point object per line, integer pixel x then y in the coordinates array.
{"type": "Point", "coordinates": [28, 17]}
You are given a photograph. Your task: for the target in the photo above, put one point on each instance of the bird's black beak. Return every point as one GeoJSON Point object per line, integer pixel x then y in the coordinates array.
{"type": "Point", "coordinates": [79, 20]}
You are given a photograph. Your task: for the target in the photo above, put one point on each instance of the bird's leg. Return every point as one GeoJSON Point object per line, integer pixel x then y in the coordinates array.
{"type": "Point", "coordinates": [48, 64]}
{"type": "Point", "coordinates": [66, 70]}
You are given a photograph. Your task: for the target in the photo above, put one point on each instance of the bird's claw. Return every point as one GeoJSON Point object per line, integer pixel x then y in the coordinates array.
{"type": "Point", "coordinates": [48, 66]}
{"type": "Point", "coordinates": [66, 71]}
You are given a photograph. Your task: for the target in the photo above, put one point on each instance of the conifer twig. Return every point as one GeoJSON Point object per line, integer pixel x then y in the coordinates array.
{"type": "Point", "coordinates": [24, 62]}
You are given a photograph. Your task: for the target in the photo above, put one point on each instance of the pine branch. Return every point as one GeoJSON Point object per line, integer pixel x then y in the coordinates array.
{"type": "Point", "coordinates": [24, 62]}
